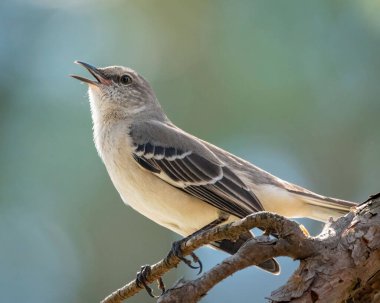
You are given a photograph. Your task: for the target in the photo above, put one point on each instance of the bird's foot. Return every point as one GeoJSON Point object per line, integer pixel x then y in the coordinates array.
{"type": "Point", "coordinates": [141, 281]}
{"type": "Point", "coordinates": [176, 251]}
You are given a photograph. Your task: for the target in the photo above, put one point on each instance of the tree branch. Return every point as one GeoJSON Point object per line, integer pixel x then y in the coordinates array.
{"type": "Point", "coordinates": [343, 261]}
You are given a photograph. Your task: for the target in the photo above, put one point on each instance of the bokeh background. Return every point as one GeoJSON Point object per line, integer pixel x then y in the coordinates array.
{"type": "Point", "coordinates": [292, 86]}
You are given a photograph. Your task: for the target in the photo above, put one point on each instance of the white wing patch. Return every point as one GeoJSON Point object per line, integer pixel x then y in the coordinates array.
{"type": "Point", "coordinates": [213, 183]}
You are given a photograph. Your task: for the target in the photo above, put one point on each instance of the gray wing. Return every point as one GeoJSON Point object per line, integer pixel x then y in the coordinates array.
{"type": "Point", "coordinates": [184, 162]}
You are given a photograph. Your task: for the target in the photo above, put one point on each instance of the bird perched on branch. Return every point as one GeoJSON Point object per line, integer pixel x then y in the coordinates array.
{"type": "Point", "coordinates": [178, 180]}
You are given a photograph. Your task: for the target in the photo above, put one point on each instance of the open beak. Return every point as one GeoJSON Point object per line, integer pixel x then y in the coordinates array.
{"type": "Point", "coordinates": [98, 75]}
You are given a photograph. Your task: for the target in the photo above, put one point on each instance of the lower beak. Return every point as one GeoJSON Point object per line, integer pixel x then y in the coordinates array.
{"type": "Point", "coordinates": [98, 75]}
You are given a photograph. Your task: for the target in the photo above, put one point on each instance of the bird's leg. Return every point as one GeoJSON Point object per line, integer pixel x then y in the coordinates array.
{"type": "Point", "coordinates": [176, 249]}
{"type": "Point", "coordinates": [141, 280]}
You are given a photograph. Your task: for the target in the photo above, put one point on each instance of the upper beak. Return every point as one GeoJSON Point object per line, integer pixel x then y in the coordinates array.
{"type": "Point", "coordinates": [98, 75]}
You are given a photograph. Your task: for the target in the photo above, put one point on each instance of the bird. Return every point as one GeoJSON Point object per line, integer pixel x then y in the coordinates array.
{"type": "Point", "coordinates": [178, 180]}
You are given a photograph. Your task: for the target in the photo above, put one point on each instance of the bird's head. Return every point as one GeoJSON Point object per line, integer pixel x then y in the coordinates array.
{"type": "Point", "coordinates": [120, 90]}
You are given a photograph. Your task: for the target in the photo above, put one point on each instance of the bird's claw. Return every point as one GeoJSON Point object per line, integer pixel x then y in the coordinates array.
{"type": "Point", "coordinates": [161, 285]}
{"type": "Point", "coordinates": [176, 250]}
{"type": "Point", "coordinates": [142, 277]}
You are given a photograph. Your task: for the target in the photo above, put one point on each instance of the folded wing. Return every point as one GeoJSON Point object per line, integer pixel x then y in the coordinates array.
{"type": "Point", "coordinates": [187, 164]}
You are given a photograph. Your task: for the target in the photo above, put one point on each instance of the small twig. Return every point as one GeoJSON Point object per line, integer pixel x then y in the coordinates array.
{"type": "Point", "coordinates": [285, 228]}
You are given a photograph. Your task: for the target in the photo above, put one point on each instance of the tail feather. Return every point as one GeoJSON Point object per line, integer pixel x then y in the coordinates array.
{"type": "Point", "coordinates": [322, 208]}
{"type": "Point", "coordinates": [232, 247]}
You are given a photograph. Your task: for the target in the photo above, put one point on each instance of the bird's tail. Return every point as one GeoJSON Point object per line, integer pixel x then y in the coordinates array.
{"type": "Point", "coordinates": [232, 247]}
{"type": "Point", "coordinates": [322, 208]}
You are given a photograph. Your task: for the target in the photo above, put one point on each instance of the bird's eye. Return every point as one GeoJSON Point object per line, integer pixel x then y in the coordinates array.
{"type": "Point", "coordinates": [125, 79]}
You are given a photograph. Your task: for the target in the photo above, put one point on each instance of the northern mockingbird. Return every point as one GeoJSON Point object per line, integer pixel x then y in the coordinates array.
{"type": "Point", "coordinates": [176, 179]}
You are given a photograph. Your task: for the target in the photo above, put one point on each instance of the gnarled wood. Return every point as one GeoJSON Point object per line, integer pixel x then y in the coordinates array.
{"type": "Point", "coordinates": [342, 264]}
{"type": "Point", "coordinates": [346, 267]}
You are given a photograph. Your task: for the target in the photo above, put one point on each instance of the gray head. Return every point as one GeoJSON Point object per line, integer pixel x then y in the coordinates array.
{"type": "Point", "coordinates": [120, 91]}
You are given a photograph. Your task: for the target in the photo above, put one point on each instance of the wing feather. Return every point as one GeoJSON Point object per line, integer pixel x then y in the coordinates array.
{"type": "Point", "coordinates": [197, 173]}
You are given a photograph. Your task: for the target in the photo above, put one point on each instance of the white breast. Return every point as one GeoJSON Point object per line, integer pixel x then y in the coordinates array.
{"type": "Point", "coordinates": [145, 192]}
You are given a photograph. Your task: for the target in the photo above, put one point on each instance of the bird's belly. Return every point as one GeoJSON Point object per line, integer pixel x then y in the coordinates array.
{"type": "Point", "coordinates": [159, 201]}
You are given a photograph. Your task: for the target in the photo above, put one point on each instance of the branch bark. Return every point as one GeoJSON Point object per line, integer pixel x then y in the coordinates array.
{"type": "Point", "coordinates": [342, 264]}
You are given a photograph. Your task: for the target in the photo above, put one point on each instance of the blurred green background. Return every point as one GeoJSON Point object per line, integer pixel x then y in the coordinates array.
{"type": "Point", "coordinates": [292, 86]}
